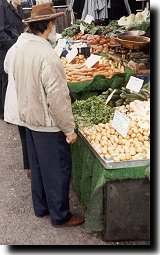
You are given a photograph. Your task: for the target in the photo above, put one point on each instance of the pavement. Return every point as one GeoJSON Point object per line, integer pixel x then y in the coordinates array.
{"type": "Point", "coordinates": [18, 223]}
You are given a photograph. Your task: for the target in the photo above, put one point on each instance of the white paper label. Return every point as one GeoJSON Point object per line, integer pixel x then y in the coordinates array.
{"type": "Point", "coordinates": [61, 43]}
{"type": "Point", "coordinates": [92, 60]}
{"type": "Point", "coordinates": [134, 84]}
{"type": "Point", "coordinates": [110, 96]}
{"type": "Point", "coordinates": [88, 19]}
{"type": "Point", "coordinates": [120, 123]}
{"type": "Point", "coordinates": [70, 56]}
{"type": "Point", "coordinates": [82, 28]}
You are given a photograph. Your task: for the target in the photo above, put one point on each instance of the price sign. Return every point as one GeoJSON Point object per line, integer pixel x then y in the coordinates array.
{"type": "Point", "coordinates": [61, 43]}
{"type": "Point", "coordinates": [110, 96]}
{"type": "Point", "coordinates": [134, 84]}
{"type": "Point", "coordinates": [82, 28]}
{"type": "Point", "coordinates": [89, 19]}
{"type": "Point", "coordinates": [120, 123]}
{"type": "Point", "coordinates": [70, 56]}
{"type": "Point", "coordinates": [92, 60]}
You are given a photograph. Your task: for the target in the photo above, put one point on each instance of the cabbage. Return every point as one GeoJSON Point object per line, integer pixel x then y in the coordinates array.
{"type": "Point", "coordinates": [139, 15]}
{"type": "Point", "coordinates": [122, 21]}
{"type": "Point", "coordinates": [131, 18]}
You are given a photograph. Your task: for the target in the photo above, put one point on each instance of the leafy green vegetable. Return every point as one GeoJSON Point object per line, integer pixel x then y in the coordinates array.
{"type": "Point", "coordinates": [92, 111]}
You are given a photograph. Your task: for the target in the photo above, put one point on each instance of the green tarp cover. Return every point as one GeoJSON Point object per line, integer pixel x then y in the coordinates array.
{"type": "Point", "coordinates": [84, 90]}
{"type": "Point", "coordinates": [89, 176]}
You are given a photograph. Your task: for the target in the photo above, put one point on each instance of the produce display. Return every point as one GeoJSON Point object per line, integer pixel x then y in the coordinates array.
{"type": "Point", "coordinates": [124, 24]}
{"type": "Point", "coordinates": [92, 111]}
{"type": "Point", "coordinates": [98, 43]}
{"type": "Point", "coordinates": [124, 96]}
{"type": "Point", "coordinates": [109, 143]}
{"type": "Point", "coordinates": [134, 20]}
{"type": "Point", "coordinates": [77, 71]}
{"type": "Point", "coordinates": [89, 28]}
{"type": "Point", "coordinates": [94, 115]}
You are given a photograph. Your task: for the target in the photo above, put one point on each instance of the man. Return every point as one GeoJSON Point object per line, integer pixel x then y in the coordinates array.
{"type": "Point", "coordinates": [44, 106]}
{"type": "Point", "coordinates": [8, 36]}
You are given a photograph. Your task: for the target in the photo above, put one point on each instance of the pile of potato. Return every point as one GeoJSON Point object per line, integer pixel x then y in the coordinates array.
{"type": "Point", "coordinates": [77, 71]}
{"type": "Point", "coordinates": [109, 143]}
{"type": "Point", "coordinates": [98, 44]}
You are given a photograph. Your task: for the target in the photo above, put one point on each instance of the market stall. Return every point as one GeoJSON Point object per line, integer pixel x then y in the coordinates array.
{"type": "Point", "coordinates": [112, 116]}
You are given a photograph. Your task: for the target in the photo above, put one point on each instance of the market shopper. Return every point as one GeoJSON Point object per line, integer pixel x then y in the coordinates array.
{"type": "Point", "coordinates": [8, 36]}
{"type": "Point", "coordinates": [11, 27]}
{"type": "Point", "coordinates": [44, 106]}
{"type": "Point", "coordinates": [11, 114]}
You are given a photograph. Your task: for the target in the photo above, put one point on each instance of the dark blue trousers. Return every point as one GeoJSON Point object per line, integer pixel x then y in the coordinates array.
{"type": "Point", "coordinates": [50, 162]}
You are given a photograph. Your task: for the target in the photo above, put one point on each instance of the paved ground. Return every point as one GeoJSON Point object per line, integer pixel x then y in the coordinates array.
{"type": "Point", "coordinates": [18, 224]}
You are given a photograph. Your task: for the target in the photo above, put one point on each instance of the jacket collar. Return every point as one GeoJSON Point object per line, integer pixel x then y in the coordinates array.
{"type": "Point", "coordinates": [40, 39]}
{"type": "Point", "coordinates": [13, 9]}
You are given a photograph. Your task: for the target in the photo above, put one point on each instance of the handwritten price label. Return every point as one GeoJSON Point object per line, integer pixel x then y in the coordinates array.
{"type": "Point", "coordinates": [134, 84]}
{"type": "Point", "coordinates": [92, 60]}
{"type": "Point", "coordinates": [120, 123]}
{"type": "Point", "coordinates": [71, 55]}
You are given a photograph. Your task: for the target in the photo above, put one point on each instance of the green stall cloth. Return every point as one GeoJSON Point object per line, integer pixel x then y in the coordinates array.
{"type": "Point", "coordinates": [89, 176]}
{"type": "Point", "coordinates": [84, 90]}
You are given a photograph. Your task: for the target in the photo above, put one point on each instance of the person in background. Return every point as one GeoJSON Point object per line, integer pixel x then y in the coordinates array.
{"type": "Point", "coordinates": [8, 36]}
{"type": "Point", "coordinates": [11, 114]}
{"type": "Point", "coordinates": [18, 15]}
{"type": "Point", "coordinates": [44, 107]}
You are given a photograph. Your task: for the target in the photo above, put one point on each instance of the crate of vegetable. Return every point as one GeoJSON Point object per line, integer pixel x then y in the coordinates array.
{"type": "Point", "coordinates": [111, 149]}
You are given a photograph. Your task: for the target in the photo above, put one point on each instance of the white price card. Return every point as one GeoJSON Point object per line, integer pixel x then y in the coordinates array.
{"type": "Point", "coordinates": [61, 43]}
{"type": "Point", "coordinates": [134, 84]}
{"type": "Point", "coordinates": [120, 123]}
{"type": "Point", "coordinates": [70, 56]}
{"type": "Point", "coordinates": [110, 96]}
{"type": "Point", "coordinates": [92, 60]}
{"type": "Point", "coordinates": [82, 28]}
{"type": "Point", "coordinates": [89, 19]}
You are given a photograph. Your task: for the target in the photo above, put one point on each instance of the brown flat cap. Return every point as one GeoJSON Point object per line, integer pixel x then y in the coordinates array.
{"type": "Point", "coordinates": [43, 12]}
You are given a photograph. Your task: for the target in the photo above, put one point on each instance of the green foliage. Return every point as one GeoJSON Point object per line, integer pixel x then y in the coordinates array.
{"type": "Point", "coordinates": [92, 111]}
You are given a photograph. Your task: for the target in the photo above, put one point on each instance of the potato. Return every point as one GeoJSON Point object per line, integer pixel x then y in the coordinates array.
{"type": "Point", "coordinates": [133, 135]}
{"type": "Point", "coordinates": [127, 150]}
{"type": "Point", "coordinates": [147, 144]}
{"type": "Point", "coordinates": [128, 156]}
{"type": "Point", "coordinates": [99, 129]}
{"type": "Point", "coordinates": [93, 137]}
{"type": "Point", "coordinates": [133, 152]}
{"type": "Point", "coordinates": [123, 141]}
{"type": "Point", "coordinates": [122, 157]}
{"type": "Point", "coordinates": [139, 149]}
{"type": "Point", "coordinates": [141, 138]}
{"type": "Point", "coordinates": [145, 138]}
{"type": "Point", "coordinates": [98, 137]}
{"type": "Point", "coordinates": [103, 143]}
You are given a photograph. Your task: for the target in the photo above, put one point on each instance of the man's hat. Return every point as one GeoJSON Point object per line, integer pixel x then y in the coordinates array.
{"type": "Point", "coordinates": [43, 12]}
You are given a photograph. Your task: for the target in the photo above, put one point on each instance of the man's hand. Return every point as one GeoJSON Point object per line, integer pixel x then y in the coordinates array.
{"type": "Point", "coordinates": [71, 138]}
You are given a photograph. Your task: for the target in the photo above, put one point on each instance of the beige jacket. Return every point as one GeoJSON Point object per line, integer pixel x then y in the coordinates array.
{"type": "Point", "coordinates": [43, 97]}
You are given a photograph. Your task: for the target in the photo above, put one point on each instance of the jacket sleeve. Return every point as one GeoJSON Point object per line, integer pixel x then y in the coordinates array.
{"type": "Point", "coordinates": [5, 40]}
{"type": "Point", "coordinates": [58, 99]}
